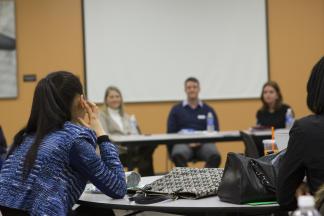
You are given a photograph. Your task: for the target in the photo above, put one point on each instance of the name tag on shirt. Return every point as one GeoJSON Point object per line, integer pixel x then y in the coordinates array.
{"type": "Point", "coordinates": [201, 117]}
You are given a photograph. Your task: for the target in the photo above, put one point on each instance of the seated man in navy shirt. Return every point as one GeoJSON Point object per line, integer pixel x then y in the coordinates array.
{"type": "Point", "coordinates": [191, 114]}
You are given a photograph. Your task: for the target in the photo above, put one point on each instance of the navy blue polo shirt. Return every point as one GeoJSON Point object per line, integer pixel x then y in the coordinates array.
{"type": "Point", "coordinates": [182, 116]}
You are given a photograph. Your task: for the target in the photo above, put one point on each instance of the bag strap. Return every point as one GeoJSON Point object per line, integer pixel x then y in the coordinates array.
{"type": "Point", "coordinates": [263, 178]}
{"type": "Point", "coordinates": [143, 196]}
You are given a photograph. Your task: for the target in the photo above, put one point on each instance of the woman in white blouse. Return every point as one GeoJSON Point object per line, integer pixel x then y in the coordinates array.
{"type": "Point", "coordinates": [116, 122]}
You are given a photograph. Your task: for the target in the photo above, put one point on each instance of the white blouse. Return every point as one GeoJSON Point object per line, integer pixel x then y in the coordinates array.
{"type": "Point", "coordinates": [115, 115]}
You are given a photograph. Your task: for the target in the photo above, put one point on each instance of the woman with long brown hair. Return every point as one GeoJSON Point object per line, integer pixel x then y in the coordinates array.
{"type": "Point", "coordinates": [273, 110]}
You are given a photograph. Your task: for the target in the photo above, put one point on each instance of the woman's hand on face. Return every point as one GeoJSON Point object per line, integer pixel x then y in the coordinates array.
{"type": "Point", "coordinates": [91, 119]}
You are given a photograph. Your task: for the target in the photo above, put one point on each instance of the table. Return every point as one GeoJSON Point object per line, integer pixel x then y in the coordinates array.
{"type": "Point", "coordinates": [203, 206]}
{"type": "Point", "coordinates": [174, 138]}
{"type": "Point", "coordinates": [198, 136]}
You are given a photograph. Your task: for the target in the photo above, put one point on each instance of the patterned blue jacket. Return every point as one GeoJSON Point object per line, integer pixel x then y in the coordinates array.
{"type": "Point", "coordinates": [66, 160]}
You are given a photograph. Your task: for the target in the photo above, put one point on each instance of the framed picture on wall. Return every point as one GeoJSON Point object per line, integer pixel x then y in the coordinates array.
{"type": "Point", "coordinates": [8, 61]}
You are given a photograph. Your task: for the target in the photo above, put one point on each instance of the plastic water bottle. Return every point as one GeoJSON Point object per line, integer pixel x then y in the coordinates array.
{"type": "Point", "coordinates": [210, 122]}
{"type": "Point", "coordinates": [289, 121]}
{"type": "Point", "coordinates": [133, 125]}
{"type": "Point", "coordinates": [306, 207]}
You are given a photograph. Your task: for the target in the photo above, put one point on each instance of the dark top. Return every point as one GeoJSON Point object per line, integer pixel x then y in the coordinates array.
{"type": "Point", "coordinates": [275, 119]}
{"type": "Point", "coordinates": [304, 157]}
{"type": "Point", "coordinates": [3, 147]}
{"type": "Point", "coordinates": [3, 143]}
{"type": "Point", "coordinates": [182, 116]}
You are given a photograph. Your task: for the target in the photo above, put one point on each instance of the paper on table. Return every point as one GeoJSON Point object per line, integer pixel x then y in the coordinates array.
{"type": "Point", "coordinates": [262, 203]}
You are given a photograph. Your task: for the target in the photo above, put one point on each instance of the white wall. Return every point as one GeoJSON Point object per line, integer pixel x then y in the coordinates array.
{"type": "Point", "coordinates": [149, 47]}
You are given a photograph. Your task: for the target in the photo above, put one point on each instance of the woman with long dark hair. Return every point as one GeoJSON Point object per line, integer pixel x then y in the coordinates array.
{"type": "Point", "coordinates": [54, 156]}
{"type": "Point", "coordinates": [305, 151]}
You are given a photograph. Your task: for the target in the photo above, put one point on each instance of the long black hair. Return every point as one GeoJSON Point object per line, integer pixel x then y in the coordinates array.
{"type": "Point", "coordinates": [51, 107]}
{"type": "Point", "coordinates": [315, 88]}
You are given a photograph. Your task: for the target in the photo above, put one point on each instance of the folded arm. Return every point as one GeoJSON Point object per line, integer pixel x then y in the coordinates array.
{"type": "Point", "coordinates": [105, 172]}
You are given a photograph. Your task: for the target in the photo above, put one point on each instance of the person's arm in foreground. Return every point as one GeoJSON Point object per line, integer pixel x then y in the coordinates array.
{"type": "Point", "coordinates": [292, 171]}
{"type": "Point", "coordinates": [106, 173]}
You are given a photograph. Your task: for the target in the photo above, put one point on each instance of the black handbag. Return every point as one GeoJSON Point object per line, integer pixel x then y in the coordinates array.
{"type": "Point", "coordinates": [248, 180]}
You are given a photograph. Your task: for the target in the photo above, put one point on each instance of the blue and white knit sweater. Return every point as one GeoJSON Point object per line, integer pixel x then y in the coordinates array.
{"type": "Point", "coordinates": [66, 160]}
